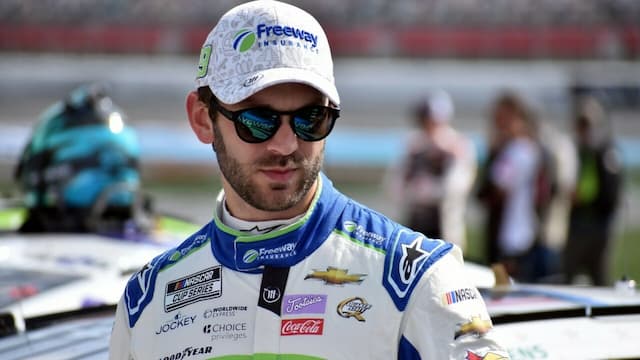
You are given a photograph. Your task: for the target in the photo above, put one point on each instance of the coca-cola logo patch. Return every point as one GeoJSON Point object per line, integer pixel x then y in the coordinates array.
{"type": "Point", "coordinates": [301, 327]}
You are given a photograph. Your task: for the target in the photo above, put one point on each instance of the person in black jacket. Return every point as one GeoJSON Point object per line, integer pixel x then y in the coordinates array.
{"type": "Point", "coordinates": [596, 194]}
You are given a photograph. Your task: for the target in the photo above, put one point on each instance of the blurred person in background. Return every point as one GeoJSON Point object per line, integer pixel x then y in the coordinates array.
{"type": "Point", "coordinates": [289, 267]}
{"type": "Point", "coordinates": [508, 188]}
{"type": "Point", "coordinates": [79, 172]}
{"type": "Point", "coordinates": [596, 194]}
{"type": "Point", "coordinates": [554, 191]}
{"type": "Point", "coordinates": [432, 181]}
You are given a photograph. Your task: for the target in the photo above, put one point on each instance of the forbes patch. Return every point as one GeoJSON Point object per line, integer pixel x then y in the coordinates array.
{"type": "Point", "coordinates": [205, 284]}
{"type": "Point", "coordinates": [411, 255]}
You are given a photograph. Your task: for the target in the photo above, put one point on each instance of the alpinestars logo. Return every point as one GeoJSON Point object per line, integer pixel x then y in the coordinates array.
{"type": "Point", "coordinates": [411, 256]}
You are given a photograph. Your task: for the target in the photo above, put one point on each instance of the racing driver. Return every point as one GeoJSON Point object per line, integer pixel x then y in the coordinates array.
{"type": "Point", "coordinates": [290, 268]}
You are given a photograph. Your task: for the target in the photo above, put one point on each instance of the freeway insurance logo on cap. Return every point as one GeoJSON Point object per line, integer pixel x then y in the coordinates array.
{"type": "Point", "coordinates": [274, 35]}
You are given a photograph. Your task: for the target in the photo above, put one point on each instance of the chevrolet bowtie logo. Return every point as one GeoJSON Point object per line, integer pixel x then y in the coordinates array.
{"type": "Point", "coordinates": [335, 276]}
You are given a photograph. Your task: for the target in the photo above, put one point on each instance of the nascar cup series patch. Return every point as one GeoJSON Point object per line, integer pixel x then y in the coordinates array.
{"type": "Point", "coordinates": [139, 291]}
{"type": "Point", "coordinates": [205, 284]}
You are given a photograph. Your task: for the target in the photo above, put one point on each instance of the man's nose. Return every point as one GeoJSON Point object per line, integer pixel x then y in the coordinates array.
{"type": "Point", "coordinates": [284, 141]}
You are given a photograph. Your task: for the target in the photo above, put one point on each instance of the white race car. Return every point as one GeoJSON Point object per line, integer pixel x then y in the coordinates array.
{"type": "Point", "coordinates": [566, 322]}
{"type": "Point", "coordinates": [43, 274]}
{"type": "Point", "coordinates": [533, 322]}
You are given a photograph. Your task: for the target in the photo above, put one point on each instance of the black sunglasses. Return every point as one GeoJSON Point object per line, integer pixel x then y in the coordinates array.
{"type": "Point", "coordinates": [259, 124]}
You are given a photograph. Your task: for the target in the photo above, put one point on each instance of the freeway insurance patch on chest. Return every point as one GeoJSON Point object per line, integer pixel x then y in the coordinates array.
{"type": "Point", "coordinates": [205, 284]}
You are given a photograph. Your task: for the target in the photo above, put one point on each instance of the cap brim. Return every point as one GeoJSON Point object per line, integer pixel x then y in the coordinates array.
{"type": "Point", "coordinates": [237, 89]}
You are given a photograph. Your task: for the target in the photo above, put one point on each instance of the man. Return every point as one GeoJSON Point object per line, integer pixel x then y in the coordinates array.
{"type": "Point", "coordinates": [508, 188]}
{"type": "Point", "coordinates": [595, 197]}
{"type": "Point", "coordinates": [433, 180]}
{"type": "Point", "coordinates": [289, 268]}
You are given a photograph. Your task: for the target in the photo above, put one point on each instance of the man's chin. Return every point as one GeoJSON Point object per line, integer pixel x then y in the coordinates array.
{"type": "Point", "coordinates": [275, 206]}
{"type": "Point", "coordinates": [279, 187]}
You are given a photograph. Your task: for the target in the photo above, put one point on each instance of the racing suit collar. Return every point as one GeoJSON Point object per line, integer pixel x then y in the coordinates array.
{"type": "Point", "coordinates": [250, 227]}
{"type": "Point", "coordinates": [282, 247]}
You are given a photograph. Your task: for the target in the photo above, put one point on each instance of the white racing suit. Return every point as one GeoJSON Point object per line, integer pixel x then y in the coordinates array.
{"type": "Point", "coordinates": [343, 282]}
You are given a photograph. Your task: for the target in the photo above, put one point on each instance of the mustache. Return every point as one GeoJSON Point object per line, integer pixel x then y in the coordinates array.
{"type": "Point", "coordinates": [294, 159]}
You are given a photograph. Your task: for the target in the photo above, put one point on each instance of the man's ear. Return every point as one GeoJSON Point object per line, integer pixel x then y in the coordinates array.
{"type": "Point", "coordinates": [199, 120]}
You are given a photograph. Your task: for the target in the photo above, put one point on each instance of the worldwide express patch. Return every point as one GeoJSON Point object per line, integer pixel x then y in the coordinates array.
{"type": "Point", "coordinates": [205, 284]}
{"type": "Point", "coordinates": [411, 254]}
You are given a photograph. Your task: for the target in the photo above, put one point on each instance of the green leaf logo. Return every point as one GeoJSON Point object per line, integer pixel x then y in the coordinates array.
{"type": "Point", "coordinates": [244, 40]}
{"type": "Point", "coordinates": [175, 256]}
{"type": "Point", "coordinates": [350, 226]}
{"type": "Point", "coordinates": [250, 256]}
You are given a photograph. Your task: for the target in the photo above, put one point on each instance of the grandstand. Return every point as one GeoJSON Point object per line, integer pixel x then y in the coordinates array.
{"type": "Point", "coordinates": [388, 53]}
{"type": "Point", "coordinates": [408, 28]}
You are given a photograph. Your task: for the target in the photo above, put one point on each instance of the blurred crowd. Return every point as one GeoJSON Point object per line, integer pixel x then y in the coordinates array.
{"type": "Point", "coordinates": [334, 12]}
{"type": "Point", "coordinates": [548, 197]}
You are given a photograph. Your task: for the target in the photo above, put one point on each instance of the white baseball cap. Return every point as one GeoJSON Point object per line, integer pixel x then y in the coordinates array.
{"type": "Point", "coordinates": [438, 105]}
{"type": "Point", "coordinates": [263, 43]}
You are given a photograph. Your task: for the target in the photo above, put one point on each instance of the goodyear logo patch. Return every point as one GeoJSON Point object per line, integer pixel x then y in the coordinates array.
{"type": "Point", "coordinates": [205, 284]}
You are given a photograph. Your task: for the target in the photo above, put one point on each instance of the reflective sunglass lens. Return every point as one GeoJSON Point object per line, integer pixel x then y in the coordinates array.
{"type": "Point", "coordinates": [305, 129]}
{"type": "Point", "coordinates": [256, 125]}
{"type": "Point", "coordinates": [312, 123]}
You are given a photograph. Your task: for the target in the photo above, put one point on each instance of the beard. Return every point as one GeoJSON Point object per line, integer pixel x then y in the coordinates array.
{"type": "Point", "coordinates": [261, 195]}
